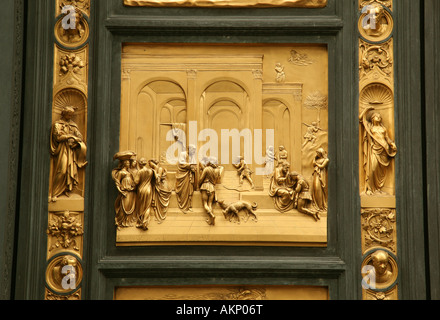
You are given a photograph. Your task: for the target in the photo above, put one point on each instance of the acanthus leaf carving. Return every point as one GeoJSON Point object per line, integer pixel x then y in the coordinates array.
{"type": "Point", "coordinates": [375, 58]}
{"type": "Point", "coordinates": [65, 228]}
{"type": "Point", "coordinates": [379, 227]}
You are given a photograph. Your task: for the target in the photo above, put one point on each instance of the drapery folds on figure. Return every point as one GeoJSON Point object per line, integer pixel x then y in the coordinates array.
{"type": "Point", "coordinates": [125, 203]}
{"type": "Point", "coordinates": [143, 191]}
{"type": "Point", "coordinates": [211, 175]}
{"type": "Point", "coordinates": [378, 150]}
{"type": "Point", "coordinates": [185, 179]}
{"type": "Point", "coordinates": [281, 188]}
{"type": "Point", "coordinates": [161, 194]}
{"type": "Point", "coordinates": [319, 180]}
{"type": "Point", "coordinates": [69, 154]}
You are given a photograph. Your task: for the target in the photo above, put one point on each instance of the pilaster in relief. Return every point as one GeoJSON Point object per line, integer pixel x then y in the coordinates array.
{"type": "Point", "coordinates": [68, 150]}
{"type": "Point", "coordinates": [377, 150]}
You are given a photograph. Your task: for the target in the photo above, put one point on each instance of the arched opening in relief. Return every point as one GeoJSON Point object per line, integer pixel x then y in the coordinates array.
{"type": "Point", "coordinates": [161, 119]}
{"type": "Point", "coordinates": [277, 117]}
{"type": "Point", "coordinates": [226, 106]}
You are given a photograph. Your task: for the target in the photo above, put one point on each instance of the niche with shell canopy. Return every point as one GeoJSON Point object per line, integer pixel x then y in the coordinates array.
{"type": "Point", "coordinates": [379, 99]}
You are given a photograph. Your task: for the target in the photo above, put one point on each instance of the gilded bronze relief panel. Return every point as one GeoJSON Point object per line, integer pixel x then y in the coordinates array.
{"type": "Point", "coordinates": [222, 144]}
{"type": "Point", "coordinates": [221, 293]}
{"type": "Point", "coordinates": [228, 3]}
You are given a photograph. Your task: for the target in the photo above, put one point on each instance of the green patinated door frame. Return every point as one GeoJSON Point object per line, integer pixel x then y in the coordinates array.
{"type": "Point", "coordinates": [337, 266]}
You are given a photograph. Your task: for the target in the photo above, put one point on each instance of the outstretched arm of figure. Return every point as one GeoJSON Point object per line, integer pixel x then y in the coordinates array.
{"type": "Point", "coordinates": [364, 113]}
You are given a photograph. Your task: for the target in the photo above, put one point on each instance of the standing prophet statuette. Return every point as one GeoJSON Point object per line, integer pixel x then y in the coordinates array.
{"type": "Point", "coordinates": [319, 180]}
{"type": "Point", "coordinates": [244, 171]}
{"type": "Point", "coordinates": [211, 175]}
{"type": "Point", "coordinates": [378, 151]}
{"type": "Point", "coordinates": [185, 179]}
{"type": "Point", "coordinates": [125, 203]}
{"type": "Point", "coordinates": [279, 69]}
{"type": "Point", "coordinates": [68, 151]}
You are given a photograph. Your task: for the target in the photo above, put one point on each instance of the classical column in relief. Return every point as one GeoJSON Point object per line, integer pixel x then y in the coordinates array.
{"type": "Point", "coordinates": [257, 114]}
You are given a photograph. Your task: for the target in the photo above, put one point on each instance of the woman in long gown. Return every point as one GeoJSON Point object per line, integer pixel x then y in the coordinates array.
{"type": "Point", "coordinates": [125, 203]}
{"type": "Point", "coordinates": [378, 150]}
{"type": "Point", "coordinates": [185, 179]}
{"type": "Point", "coordinates": [161, 192]}
{"type": "Point", "coordinates": [319, 180]}
{"type": "Point", "coordinates": [145, 192]}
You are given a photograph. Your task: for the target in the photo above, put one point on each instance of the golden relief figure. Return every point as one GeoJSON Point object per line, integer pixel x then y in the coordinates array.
{"type": "Point", "coordinates": [68, 151]}
{"type": "Point", "coordinates": [143, 191]}
{"type": "Point", "coordinates": [376, 22]}
{"type": "Point", "coordinates": [229, 3]}
{"type": "Point", "coordinates": [319, 181]}
{"type": "Point", "coordinates": [211, 175]}
{"type": "Point", "coordinates": [290, 190]}
{"type": "Point", "coordinates": [281, 187]}
{"type": "Point", "coordinates": [379, 271]}
{"type": "Point", "coordinates": [378, 150]}
{"type": "Point", "coordinates": [185, 178]}
{"type": "Point", "coordinates": [125, 183]}
{"type": "Point", "coordinates": [244, 171]}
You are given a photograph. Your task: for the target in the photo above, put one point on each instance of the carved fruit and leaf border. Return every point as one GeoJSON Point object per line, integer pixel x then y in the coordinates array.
{"type": "Point", "coordinates": [377, 150]}
{"type": "Point", "coordinates": [68, 137]}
